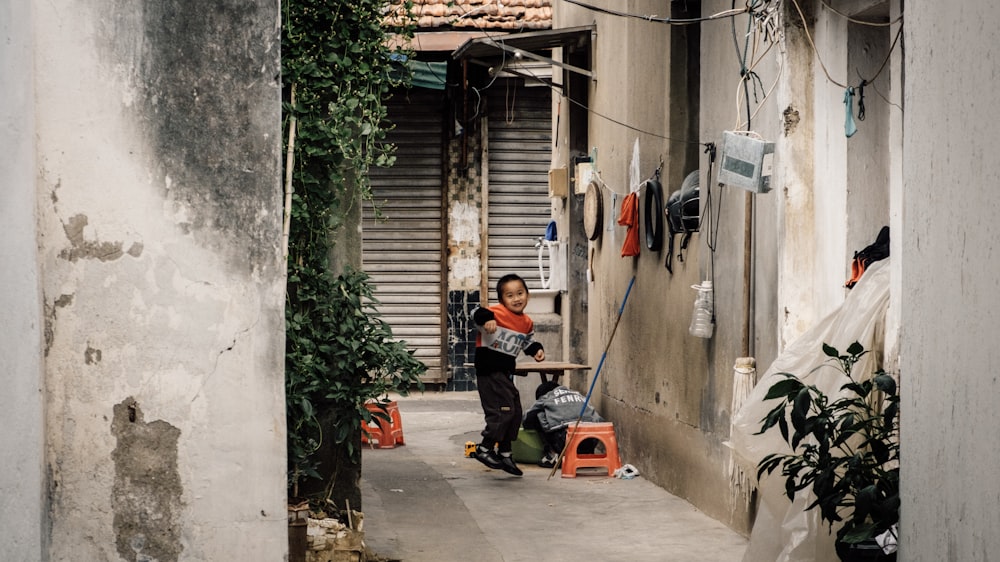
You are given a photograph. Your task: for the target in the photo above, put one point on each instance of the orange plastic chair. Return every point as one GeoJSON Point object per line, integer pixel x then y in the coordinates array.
{"type": "Point", "coordinates": [573, 460]}
{"type": "Point", "coordinates": [387, 433]}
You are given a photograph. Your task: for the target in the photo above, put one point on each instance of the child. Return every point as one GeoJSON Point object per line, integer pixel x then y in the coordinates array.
{"type": "Point", "coordinates": [557, 407]}
{"type": "Point", "coordinates": [504, 331]}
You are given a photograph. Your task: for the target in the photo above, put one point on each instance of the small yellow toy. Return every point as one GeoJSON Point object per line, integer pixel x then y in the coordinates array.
{"type": "Point", "coordinates": [470, 449]}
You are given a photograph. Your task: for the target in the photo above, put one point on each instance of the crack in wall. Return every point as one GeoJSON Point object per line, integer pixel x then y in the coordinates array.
{"type": "Point", "coordinates": [218, 356]}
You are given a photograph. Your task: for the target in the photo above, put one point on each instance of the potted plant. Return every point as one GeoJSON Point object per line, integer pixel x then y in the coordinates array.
{"type": "Point", "coordinates": [845, 451]}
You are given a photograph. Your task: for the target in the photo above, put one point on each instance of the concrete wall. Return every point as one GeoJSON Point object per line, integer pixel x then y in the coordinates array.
{"type": "Point", "coordinates": [22, 472]}
{"type": "Point", "coordinates": [670, 394]}
{"type": "Point", "coordinates": [157, 187]}
{"type": "Point", "coordinates": [950, 311]}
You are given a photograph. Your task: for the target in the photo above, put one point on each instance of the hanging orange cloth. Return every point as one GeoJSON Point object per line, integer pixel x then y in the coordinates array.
{"type": "Point", "coordinates": [629, 217]}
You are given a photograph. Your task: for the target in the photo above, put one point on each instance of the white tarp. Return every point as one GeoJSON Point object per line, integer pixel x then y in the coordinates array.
{"type": "Point", "coordinates": [783, 531]}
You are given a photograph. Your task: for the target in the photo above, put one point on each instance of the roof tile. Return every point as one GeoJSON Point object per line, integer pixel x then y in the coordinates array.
{"type": "Point", "coordinates": [476, 14]}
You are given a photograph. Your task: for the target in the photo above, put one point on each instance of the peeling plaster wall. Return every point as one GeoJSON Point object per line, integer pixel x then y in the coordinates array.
{"type": "Point", "coordinates": [22, 473]}
{"type": "Point", "coordinates": [159, 227]}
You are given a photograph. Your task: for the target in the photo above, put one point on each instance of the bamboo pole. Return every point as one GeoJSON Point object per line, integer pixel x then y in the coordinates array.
{"type": "Point", "coordinates": [289, 161]}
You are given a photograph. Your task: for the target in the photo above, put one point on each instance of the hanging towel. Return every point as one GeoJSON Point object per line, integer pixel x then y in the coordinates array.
{"type": "Point", "coordinates": [849, 127]}
{"type": "Point", "coordinates": [629, 218]}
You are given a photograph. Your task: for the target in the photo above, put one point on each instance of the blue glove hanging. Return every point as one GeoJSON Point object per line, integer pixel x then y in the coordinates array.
{"type": "Point", "coordinates": [550, 232]}
{"type": "Point", "coordinates": [849, 127]}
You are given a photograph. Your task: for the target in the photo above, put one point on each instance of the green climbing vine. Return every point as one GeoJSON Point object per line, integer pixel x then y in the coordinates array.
{"type": "Point", "coordinates": [337, 70]}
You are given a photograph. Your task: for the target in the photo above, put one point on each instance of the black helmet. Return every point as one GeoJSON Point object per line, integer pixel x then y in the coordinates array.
{"type": "Point", "coordinates": [682, 209]}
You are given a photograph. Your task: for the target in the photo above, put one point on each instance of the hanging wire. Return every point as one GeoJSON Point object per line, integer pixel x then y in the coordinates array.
{"type": "Point", "coordinates": [748, 74]}
{"type": "Point", "coordinates": [655, 19]}
{"type": "Point", "coordinates": [510, 100]}
{"type": "Point", "coordinates": [805, 27]}
{"type": "Point", "coordinates": [812, 44]}
{"type": "Point", "coordinates": [888, 55]}
{"type": "Point", "coordinates": [857, 21]}
{"type": "Point", "coordinates": [559, 90]}
{"type": "Point", "coordinates": [764, 19]}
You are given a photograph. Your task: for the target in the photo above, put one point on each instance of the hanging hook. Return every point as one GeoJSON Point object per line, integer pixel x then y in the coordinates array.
{"type": "Point", "coordinates": [861, 99]}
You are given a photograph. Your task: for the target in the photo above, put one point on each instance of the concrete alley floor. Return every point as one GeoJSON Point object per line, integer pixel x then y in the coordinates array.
{"type": "Point", "coordinates": [425, 501]}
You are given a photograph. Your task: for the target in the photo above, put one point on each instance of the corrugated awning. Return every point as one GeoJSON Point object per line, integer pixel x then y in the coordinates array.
{"type": "Point", "coordinates": [424, 74]}
{"type": "Point", "coordinates": [431, 75]}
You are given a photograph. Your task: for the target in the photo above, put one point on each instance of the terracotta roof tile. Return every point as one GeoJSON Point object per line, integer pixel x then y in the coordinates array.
{"type": "Point", "coordinates": [476, 14]}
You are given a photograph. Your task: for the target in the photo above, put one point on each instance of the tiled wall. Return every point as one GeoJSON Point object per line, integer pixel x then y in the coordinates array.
{"type": "Point", "coordinates": [461, 340]}
{"type": "Point", "coordinates": [464, 187]}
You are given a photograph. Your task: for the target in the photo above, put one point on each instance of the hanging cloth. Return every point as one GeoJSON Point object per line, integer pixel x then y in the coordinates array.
{"type": "Point", "coordinates": [877, 250]}
{"type": "Point", "coordinates": [629, 218]}
{"type": "Point", "coordinates": [849, 127]}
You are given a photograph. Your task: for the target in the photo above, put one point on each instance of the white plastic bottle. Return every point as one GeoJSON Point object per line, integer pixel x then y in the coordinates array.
{"type": "Point", "coordinates": [701, 318]}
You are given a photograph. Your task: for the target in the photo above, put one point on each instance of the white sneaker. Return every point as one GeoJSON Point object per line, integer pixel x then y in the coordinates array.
{"type": "Point", "coordinates": [549, 460]}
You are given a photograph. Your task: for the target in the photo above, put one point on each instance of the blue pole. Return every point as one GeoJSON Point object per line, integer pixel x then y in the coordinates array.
{"type": "Point", "coordinates": [621, 310]}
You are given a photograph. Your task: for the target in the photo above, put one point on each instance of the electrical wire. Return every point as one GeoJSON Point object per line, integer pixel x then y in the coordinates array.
{"type": "Point", "coordinates": [760, 105]}
{"type": "Point", "coordinates": [655, 19]}
{"type": "Point", "coordinates": [899, 34]}
{"type": "Point", "coordinates": [510, 100]}
{"type": "Point", "coordinates": [558, 88]}
{"type": "Point", "coordinates": [751, 76]}
{"type": "Point", "coordinates": [884, 98]}
{"type": "Point", "coordinates": [626, 125]}
{"type": "Point", "coordinates": [805, 27]}
{"type": "Point", "coordinates": [857, 21]}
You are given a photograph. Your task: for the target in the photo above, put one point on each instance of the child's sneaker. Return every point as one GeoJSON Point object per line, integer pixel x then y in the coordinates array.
{"type": "Point", "coordinates": [487, 457]}
{"type": "Point", "coordinates": [549, 460]}
{"type": "Point", "coordinates": [509, 466]}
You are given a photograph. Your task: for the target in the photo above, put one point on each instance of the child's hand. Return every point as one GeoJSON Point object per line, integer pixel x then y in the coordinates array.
{"type": "Point", "coordinates": [540, 356]}
{"type": "Point", "coordinates": [490, 326]}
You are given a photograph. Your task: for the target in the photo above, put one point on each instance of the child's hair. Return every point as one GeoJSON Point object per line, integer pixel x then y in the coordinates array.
{"type": "Point", "coordinates": [545, 388]}
{"type": "Point", "coordinates": [506, 279]}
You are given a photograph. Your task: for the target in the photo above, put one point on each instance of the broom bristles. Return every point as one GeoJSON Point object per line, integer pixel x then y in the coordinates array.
{"type": "Point", "coordinates": [744, 379]}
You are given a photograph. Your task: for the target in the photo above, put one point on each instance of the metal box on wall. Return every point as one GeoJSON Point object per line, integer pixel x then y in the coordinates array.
{"type": "Point", "coordinates": [746, 162]}
{"type": "Point", "coordinates": [558, 182]}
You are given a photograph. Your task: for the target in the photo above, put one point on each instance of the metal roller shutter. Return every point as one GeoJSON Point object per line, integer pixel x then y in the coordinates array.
{"type": "Point", "coordinates": [520, 133]}
{"type": "Point", "coordinates": [403, 254]}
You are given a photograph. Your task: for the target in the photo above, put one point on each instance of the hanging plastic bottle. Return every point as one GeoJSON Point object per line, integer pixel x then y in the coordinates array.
{"type": "Point", "coordinates": [701, 318]}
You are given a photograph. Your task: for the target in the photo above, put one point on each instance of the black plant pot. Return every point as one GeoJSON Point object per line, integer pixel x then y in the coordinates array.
{"type": "Point", "coordinates": [863, 552]}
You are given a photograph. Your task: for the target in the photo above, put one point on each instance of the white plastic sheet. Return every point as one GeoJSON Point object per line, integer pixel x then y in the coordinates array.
{"type": "Point", "coordinates": [783, 531]}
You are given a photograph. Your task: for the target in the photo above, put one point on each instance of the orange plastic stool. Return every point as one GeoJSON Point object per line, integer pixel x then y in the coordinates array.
{"type": "Point", "coordinates": [577, 434]}
{"type": "Point", "coordinates": [388, 433]}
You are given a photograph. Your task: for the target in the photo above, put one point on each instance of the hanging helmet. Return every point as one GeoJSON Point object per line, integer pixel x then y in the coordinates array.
{"type": "Point", "coordinates": [683, 208]}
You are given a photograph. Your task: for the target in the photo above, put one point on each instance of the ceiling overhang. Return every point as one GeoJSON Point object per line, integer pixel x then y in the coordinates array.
{"type": "Point", "coordinates": [528, 45]}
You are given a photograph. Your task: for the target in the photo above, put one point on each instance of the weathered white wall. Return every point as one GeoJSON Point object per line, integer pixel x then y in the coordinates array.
{"type": "Point", "coordinates": [159, 225]}
{"type": "Point", "coordinates": [950, 311]}
{"type": "Point", "coordinates": [22, 473]}
{"type": "Point", "coordinates": [668, 392]}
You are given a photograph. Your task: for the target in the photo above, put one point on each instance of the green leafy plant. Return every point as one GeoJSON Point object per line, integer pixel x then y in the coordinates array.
{"type": "Point", "coordinates": [845, 448]}
{"type": "Point", "coordinates": [340, 356]}
{"type": "Point", "coordinates": [338, 68]}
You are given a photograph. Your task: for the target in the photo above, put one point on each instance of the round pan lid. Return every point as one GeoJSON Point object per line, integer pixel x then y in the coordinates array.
{"type": "Point", "coordinates": [593, 211]}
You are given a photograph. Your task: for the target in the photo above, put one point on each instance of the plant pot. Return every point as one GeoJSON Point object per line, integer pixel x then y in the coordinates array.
{"type": "Point", "coordinates": [863, 552]}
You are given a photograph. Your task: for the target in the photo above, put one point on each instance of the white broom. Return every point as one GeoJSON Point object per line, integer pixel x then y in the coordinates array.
{"type": "Point", "coordinates": [744, 378]}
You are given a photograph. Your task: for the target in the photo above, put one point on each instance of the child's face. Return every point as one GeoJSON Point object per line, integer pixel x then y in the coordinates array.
{"type": "Point", "coordinates": [514, 296]}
